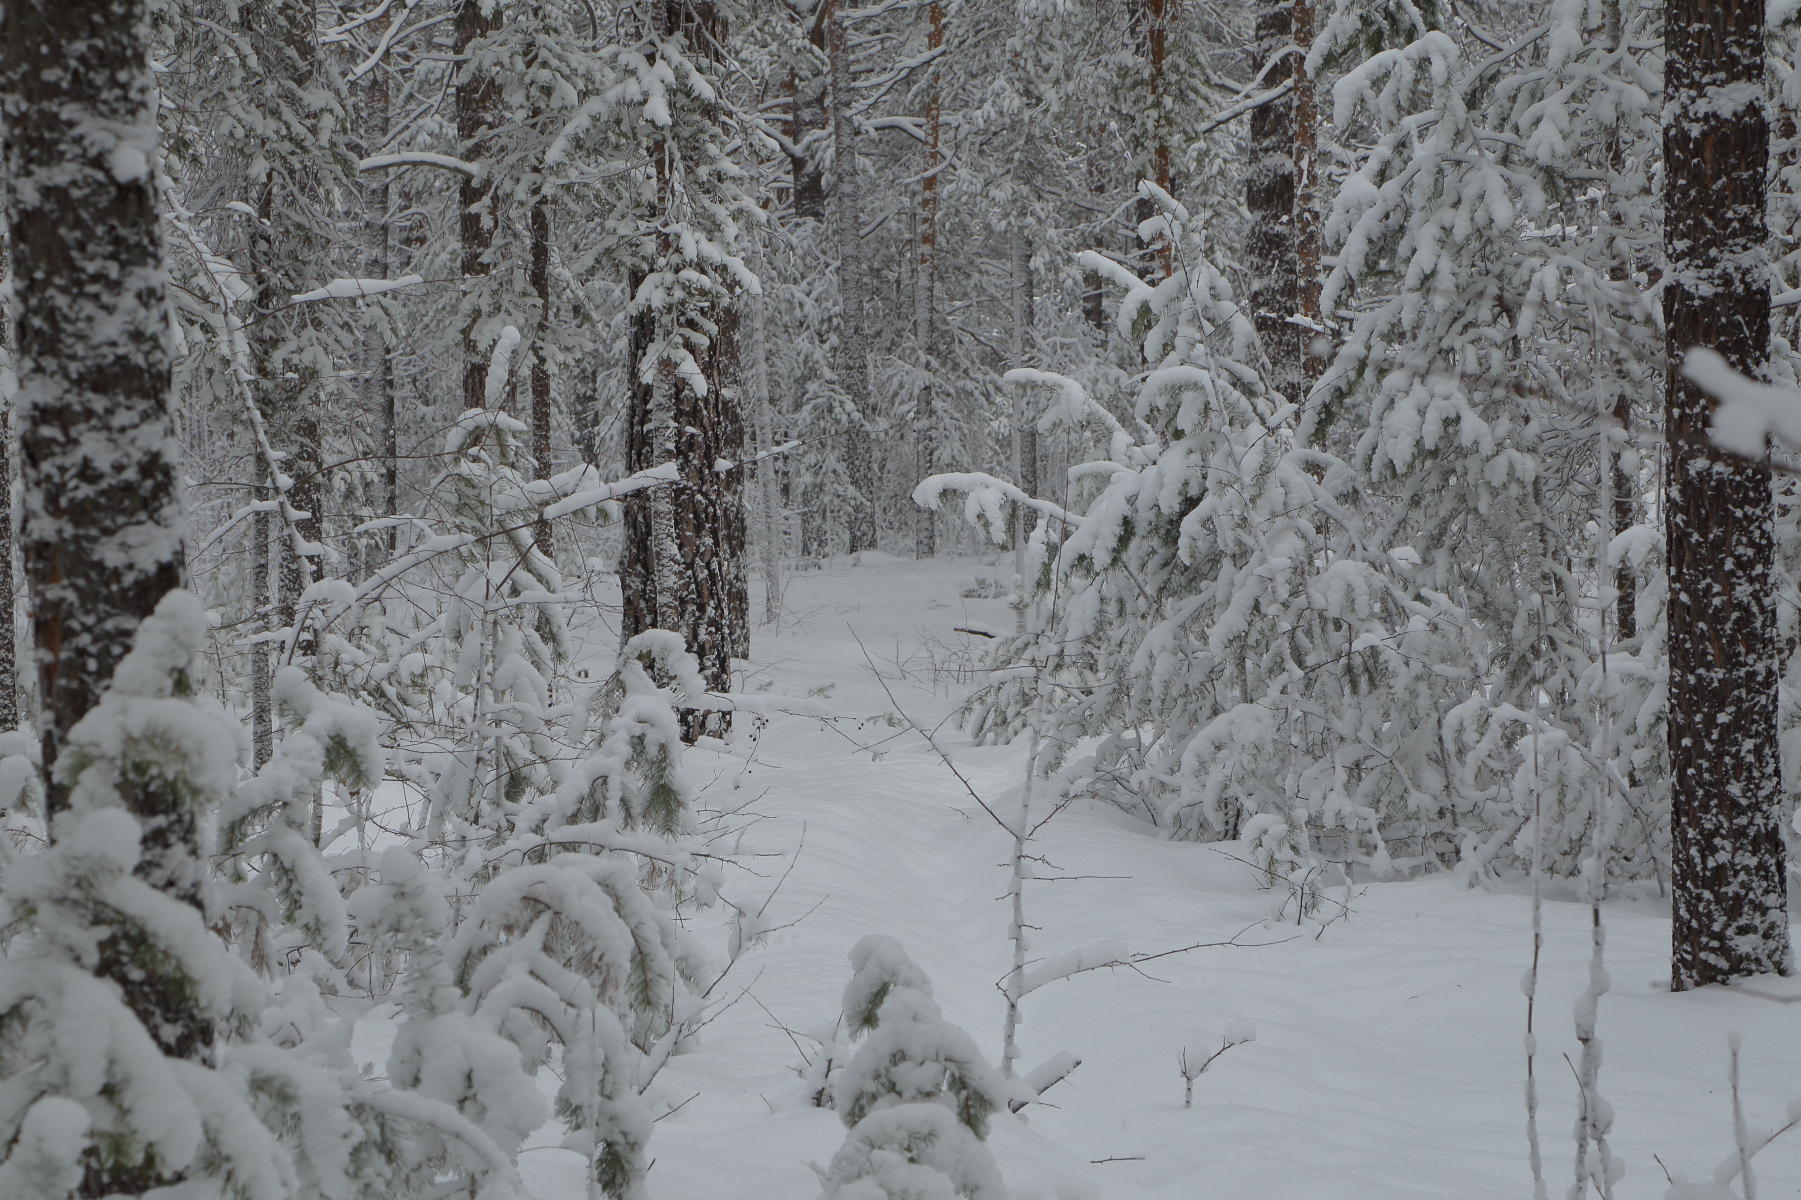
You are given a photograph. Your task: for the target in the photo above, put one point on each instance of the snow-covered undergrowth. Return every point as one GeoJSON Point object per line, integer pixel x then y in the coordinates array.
{"type": "Point", "coordinates": [1388, 1058]}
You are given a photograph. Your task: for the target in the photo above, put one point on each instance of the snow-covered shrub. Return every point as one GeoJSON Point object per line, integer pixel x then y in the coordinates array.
{"type": "Point", "coordinates": [112, 923]}
{"type": "Point", "coordinates": [276, 881]}
{"type": "Point", "coordinates": [917, 1094]}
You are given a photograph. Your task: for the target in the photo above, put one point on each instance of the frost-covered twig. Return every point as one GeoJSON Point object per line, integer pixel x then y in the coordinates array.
{"type": "Point", "coordinates": [930, 740]}
{"type": "Point", "coordinates": [1530, 983]}
{"type": "Point", "coordinates": [1193, 1066]}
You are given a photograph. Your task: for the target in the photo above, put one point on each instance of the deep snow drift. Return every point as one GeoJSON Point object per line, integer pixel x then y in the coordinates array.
{"type": "Point", "coordinates": [1388, 1057]}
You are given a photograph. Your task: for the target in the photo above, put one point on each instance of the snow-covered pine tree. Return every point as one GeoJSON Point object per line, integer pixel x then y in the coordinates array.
{"type": "Point", "coordinates": [1251, 665]}
{"type": "Point", "coordinates": [1497, 238]}
{"type": "Point", "coordinates": [917, 1094]}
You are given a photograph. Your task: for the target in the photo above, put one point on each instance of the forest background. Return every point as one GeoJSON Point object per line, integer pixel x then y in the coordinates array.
{"type": "Point", "coordinates": [1321, 374]}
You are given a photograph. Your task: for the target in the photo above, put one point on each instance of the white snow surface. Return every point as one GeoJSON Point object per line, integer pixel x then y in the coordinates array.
{"type": "Point", "coordinates": [1387, 1062]}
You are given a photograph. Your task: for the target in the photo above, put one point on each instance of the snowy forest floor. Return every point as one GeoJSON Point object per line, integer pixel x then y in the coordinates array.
{"type": "Point", "coordinates": [1388, 1060]}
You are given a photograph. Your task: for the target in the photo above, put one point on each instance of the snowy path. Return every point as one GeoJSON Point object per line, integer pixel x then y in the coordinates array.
{"type": "Point", "coordinates": [1388, 1057]}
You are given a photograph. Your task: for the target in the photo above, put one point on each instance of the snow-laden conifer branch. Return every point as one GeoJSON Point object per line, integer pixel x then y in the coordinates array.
{"type": "Point", "coordinates": [422, 158]}
{"type": "Point", "coordinates": [357, 289]}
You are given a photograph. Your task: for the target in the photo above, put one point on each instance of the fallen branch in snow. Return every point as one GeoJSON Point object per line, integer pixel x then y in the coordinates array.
{"type": "Point", "coordinates": [1046, 1075]}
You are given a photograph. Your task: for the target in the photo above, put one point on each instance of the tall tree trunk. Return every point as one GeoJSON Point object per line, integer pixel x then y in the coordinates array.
{"type": "Point", "coordinates": [1625, 515]}
{"type": "Point", "coordinates": [477, 105]}
{"type": "Point", "coordinates": [102, 529]}
{"type": "Point", "coordinates": [1729, 912]}
{"type": "Point", "coordinates": [262, 716]}
{"type": "Point", "coordinates": [1025, 428]}
{"type": "Point", "coordinates": [756, 381]}
{"type": "Point", "coordinates": [1150, 29]}
{"type": "Point", "coordinates": [925, 410]}
{"type": "Point", "coordinates": [1094, 291]}
{"type": "Point", "coordinates": [376, 117]}
{"type": "Point", "coordinates": [1314, 341]}
{"type": "Point", "coordinates": [808, 113]}
{"type": "Point", "coordinates": [540, 280]}
{"type": "Point", "coordinates": [1271, 250]}
{"type": "Point", "coordinates": [9, 650]}
{"type": "Point", "coordinates": [683, 565]}
{"type": "Point", "coordinates": [852, 363]}
{"type": "Point", "coordinates": [299, 572]}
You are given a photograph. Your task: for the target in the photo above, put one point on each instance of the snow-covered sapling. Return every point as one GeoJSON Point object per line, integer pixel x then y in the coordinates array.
{"type": "Point", "coordinates": [917, 1094]}
{"type": "Point", "coordinates": [1194, 1060]}
{"type": "Point", "coordinates": [1747, 1143]}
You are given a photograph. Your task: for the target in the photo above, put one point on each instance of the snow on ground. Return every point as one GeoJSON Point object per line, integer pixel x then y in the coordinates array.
{"type": "Point", "coordinates": [1388, 1060]}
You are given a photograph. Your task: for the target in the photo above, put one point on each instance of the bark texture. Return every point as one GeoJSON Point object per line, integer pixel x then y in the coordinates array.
{"type": "Point", "coordinates": [925, 411]}
{"type": "Point", "coordinates": [683, 563]}
{"type": "Point", "coordinates": [1271, 252]}
{"type": "Point", "coordinates": [9, 649]}
{"type": "Point", "coordinates": [808, 87]}
{"type": "Point", "coordinates": [756, 394]}
{"type": "Point", "coordinates": [1729, 895]}
{"type": "Point", "coordinates": [852, 364]}
{"type": "Point", "coordinates": [1149, 20]}
{"type": "Point", "coordinates": [477, 106]}
{"type": "Point", "coordinates": [101, 529]}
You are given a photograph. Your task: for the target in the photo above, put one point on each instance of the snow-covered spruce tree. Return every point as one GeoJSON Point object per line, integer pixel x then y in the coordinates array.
{"type": "Point", "coordinates": [500, 628]}
{"type": "Point", "coordinates": [917, 1094]}
{"type": "Point", "coordinates": [1251, 665]}
{"type": "Point", "coordinates": [562, 950]}
{"type": "Point", "coordinates": [1497, 238]}
{"type": "Point", "coordinates": [114, 994]}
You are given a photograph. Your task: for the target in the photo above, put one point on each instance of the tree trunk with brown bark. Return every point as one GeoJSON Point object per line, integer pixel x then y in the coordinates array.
{"type": "Point", "coordinates": [1271, 250]}
{"type": "Point", "coordinates": [102, 527]}
{"type": "Point", "coordinates": [925, 414]}
{"type": "Point", "coordinates": [852, 361]}
{"type": "Point", "coordinates": [477, 107]}
{"type": "Point", "coordinates": [1729, 910]}
{"type": "Point", "coordinates": [683, 563]}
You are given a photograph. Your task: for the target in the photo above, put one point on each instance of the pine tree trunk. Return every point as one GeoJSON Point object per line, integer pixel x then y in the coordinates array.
{"type": "Point", "coordinates": [262, 717]}
{"type": "Point", "coordinates": [852, 363]}
{"type": "Point", "coordinates": [1025, 425]}
{"type": "Point", "coordinates": [1025, 429]}
{"type": "Point", "coordinates": [102, 528]}
{"type": "Point", "coordinates": [1306, 223]}
{"type": "Point", "coordinates": [477, 105]}
{"type": "Point", "coordinates": [1150, 28]}
{"type": "Point", "coordinates": [9, 650]}
{"type": "Point", "coordinates": [1625, 515]}
{"type": "Point", "coordinates": [1729, 912]}
{"type": "Point", "coordinates": [808, 114]}
{"type": "Point", "coordinates": [683, 563]}
{"type": "Point", "coordinates": [925, 412]}
{"type": "Point", "coordinates": [381, 236]}
{"type": "Point", "coordinates": [540, 280]}
{"type": "Point", "coordinates": [768, 490]}
{"type": "Point", "coordinates": [1271, 252]}
{"type": "Point", "coordinates": [299, 572]}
